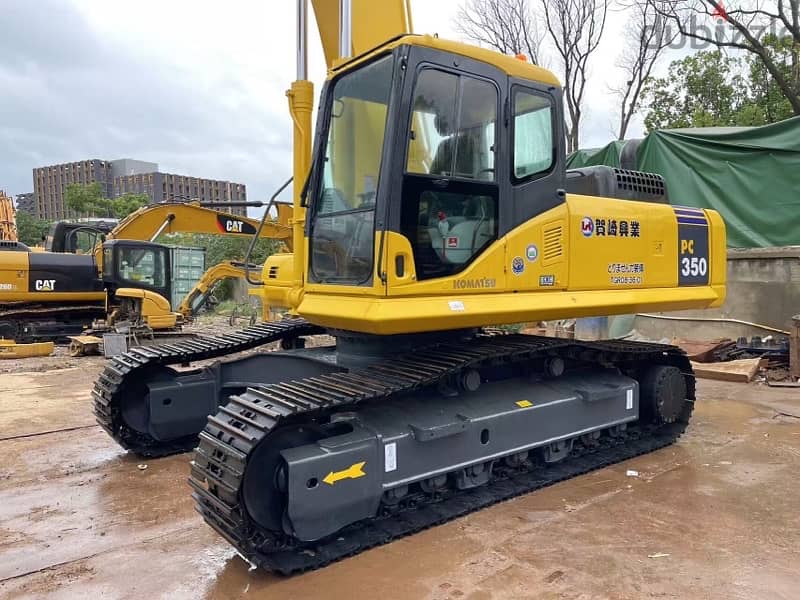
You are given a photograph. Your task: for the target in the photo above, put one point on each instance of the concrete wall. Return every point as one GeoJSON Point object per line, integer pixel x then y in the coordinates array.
{"type": "Point", "coordinates": [763, 287]}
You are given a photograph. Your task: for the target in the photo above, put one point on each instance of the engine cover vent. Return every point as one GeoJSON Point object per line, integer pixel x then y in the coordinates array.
{"type": "Point", "coordinates": [553, 236]}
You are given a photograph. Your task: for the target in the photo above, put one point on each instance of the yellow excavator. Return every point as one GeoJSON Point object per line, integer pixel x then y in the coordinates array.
{"type": "Point", "coordinates": [200, 293]}
{"type": "Point", "coordinates": [435, 203]}
{"type": "Point", "coordinates": [51, 295]}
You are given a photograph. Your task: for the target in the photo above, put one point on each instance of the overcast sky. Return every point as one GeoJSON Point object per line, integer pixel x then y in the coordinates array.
{"type": "Point", "coordinates": [196, 86]}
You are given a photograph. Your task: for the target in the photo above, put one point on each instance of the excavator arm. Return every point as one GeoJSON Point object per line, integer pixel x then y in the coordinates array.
{"type": "Point", "coordinates": [199, 294]}
{"type": "Point", "coordinates": [151, 221]}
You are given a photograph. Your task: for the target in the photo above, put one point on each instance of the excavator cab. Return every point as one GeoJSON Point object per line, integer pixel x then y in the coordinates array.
{"type": "Point", "coordinates": [133, 263]}
{"type": "Point", "coordinates": [410, 144]}
{"type": "Point", "coordinates": [78, 238]}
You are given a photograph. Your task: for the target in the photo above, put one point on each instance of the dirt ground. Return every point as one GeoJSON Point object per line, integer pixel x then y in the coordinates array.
{"type": "Point", "coordinates": [714, 516]}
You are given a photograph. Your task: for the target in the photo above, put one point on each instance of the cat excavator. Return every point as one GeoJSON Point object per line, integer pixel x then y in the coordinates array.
{"type": "Point", "coordinates": [50, 295]}
{"type": "Point", "coordinates": [435, 204]}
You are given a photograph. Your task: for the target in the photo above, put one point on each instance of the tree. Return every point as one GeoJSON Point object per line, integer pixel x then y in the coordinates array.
{"type": "Point", "coordinates": [750, 27]}
{"type": "Point", "coordinates": [575, 28]}
{"type": "Point", "coordinates": [30, 230]}
{"type": "Point", "coordinates": [646, 29]}
{"type": "Point", "coordinates": [710, 89]}
{"type": "Point", "coordinates": [507, 26]}
{"type": "Point", "coordinates": [89, 200]}
{"type": "Point", "coordinates": [767, 101]}
{"type": "Point", "coordinates": [701, 90]}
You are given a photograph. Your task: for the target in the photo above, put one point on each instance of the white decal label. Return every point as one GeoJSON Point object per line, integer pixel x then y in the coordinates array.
{"type": "Point", "coordinates": [629, 400]}
{"type": "Point", "coordinates": [456, 305]}
{"type": "Point", "coordinates": [44, 285]}
{"type": "Point", "coordinates": [390, 457]}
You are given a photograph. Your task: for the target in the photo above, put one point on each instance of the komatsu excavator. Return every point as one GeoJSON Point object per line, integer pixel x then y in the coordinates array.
{"type": "Point", "coordinates": [435, 203]}
{"type": "Point", "coordinates": [53, 294]}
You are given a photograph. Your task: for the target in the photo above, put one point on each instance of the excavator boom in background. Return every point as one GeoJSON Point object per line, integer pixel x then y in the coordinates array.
{"type": "Point", "coordinates": [199, 295]}
{"type": "Point", "coordinates": [435, 203]}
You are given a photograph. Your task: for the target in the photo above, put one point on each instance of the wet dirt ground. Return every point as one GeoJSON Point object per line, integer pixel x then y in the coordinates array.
{"type": "Point", "coordinates": [714, 516]}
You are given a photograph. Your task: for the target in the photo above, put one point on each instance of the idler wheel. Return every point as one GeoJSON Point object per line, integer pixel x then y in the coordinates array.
{"type": "Point", "coordinates": [662, 394]}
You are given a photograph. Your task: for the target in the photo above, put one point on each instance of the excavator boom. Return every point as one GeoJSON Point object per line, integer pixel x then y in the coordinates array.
{"type": "Point", "coordinates": [372, 24]}
{"type": "Point", "coordinates": [153, 220]}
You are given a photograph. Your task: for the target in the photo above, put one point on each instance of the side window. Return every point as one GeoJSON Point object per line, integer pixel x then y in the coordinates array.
{"type": "Point", "coordinates": [452, 127]}
{"type": "Point", "coordinates": [533, 134]}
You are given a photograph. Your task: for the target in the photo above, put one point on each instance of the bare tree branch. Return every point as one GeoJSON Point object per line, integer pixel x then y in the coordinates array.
{"type": "Point", "coordinates": [648, 37]}
{"type": "Point", "coordinates": [575, 28]}
{"type": "Point", "coordinates": [507, 26]}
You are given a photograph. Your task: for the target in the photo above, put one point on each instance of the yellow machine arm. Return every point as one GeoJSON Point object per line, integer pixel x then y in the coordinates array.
{"type": "Point", "coordinates": [150, 221]}
{"type": "Point", "coordinates": [196, 297]}
{"type": "Point", "coordinates": [372, 24]}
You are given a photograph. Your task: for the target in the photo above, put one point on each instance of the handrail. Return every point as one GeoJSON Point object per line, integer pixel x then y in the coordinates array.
{"type": "Point", "coordinates": [253, 241]}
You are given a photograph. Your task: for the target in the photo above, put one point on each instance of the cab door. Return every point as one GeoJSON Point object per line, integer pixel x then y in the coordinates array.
{"type": "Point", "coordinates": [446, 204]}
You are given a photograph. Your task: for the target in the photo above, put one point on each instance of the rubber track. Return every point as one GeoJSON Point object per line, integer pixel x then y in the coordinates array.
{"type": "Point", "coordinates": [132, 367]}
{"type": "Point", "coordinates": [221, 457]}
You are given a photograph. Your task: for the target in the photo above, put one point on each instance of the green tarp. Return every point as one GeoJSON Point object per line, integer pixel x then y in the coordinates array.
{"type": "Point", "coordinates": [751, 175]}
{"type": "Point", "coordinates": [607, 155]}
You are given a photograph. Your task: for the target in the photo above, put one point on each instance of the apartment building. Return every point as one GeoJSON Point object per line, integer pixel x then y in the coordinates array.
{"type": "Point", "coordinates": [126, 175]}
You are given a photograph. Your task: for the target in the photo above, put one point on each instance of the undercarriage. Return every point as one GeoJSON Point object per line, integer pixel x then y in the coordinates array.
{"type": "Point", "coordinates": [33, 322]}
{"type": "Point", "coordinates": [305, 460]}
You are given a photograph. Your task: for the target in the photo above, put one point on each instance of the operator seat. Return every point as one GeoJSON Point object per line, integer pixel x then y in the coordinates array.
{"type": "Point", "coordinates": [463, 146]}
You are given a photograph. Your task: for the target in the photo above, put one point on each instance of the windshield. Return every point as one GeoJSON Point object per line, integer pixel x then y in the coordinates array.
{"type": "Point", "coordinates": [343, 227]}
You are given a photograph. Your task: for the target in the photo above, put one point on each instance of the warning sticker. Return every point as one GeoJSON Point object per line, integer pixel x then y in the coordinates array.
{"type": "Point", "coordinates": [452, 241]}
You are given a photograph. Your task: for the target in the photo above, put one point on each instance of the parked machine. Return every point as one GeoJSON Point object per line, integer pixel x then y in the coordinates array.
{"type": "Point", "coordinates": [52, 295]}
{"type": "Point", "coordinates": [202, 291]}
{"type": "Point", "coordinates": [435, 204]}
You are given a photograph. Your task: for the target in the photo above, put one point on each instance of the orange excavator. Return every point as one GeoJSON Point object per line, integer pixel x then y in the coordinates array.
{"type": "Point", "coordinates": [8, 223]}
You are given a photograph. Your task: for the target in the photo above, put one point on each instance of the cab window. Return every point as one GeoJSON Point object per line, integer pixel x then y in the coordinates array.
{"type": "Point", "coordinates": [534, 146]}
{"type": "Point", "coordinates": [343, 226]}
{"type": "Point", "coordinates": [142, 265]}
{"type": "Point", "coordinates": [449, 206]}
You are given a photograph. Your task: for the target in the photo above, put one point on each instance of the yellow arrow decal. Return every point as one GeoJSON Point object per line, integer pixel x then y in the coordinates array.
{"type": "Point", "coordinates": [352, 472]}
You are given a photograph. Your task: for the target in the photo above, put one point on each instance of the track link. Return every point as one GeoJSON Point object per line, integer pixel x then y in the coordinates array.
{"type": "Point", "coordinates": [124, 371]}
{"type": "Point", "coordinates": [232, 434]}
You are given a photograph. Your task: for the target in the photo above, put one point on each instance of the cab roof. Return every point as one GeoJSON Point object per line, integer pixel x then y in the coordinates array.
{"type": "Point", "coordinates": [510, 65]}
